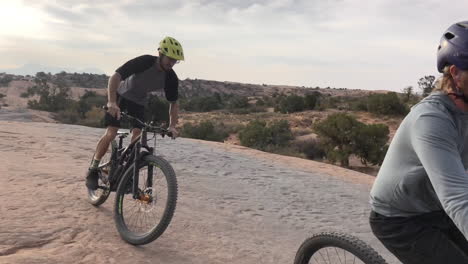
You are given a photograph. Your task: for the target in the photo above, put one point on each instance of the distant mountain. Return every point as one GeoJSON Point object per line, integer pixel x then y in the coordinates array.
{"type": "Point", "coordinates": [32, 69]}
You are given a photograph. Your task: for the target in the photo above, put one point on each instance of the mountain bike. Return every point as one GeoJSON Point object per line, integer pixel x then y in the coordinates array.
{"type": "Point", "coordinates": [145, 186]}
{"type": "Point", "coordinates": [336, 247]}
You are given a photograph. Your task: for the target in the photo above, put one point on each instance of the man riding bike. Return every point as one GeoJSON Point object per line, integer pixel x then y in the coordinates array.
{"type": "Point", "coordinates": [128, 90]}
{"type": "Point", "coordinates": [419, 199]}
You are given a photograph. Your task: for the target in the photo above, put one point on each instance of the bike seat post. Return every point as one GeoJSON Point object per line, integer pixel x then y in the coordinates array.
{"type": "Point", "coordinates": [121, 141]}
{"type": "Point", "coordinates": [144, 137]}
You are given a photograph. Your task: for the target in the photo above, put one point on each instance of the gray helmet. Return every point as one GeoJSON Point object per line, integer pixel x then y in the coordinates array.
{"type": "Point", "coordinates": [453, 48]}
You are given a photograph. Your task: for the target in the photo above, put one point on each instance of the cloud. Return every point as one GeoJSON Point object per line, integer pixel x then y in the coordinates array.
{"type": "Point", "coordinates": [305, 42]}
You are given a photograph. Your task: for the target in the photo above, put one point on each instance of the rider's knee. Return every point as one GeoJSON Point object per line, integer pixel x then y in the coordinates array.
{"type": "Point", "coordinates": [136, 131]}
{"type": "Point", "coordinates": [111, 132]}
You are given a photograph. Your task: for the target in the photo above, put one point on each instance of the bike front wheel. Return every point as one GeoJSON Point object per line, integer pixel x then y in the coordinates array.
{"type": "Point", "coordinates": [142, 220]}
{"type": "Point", "coordinates": [336, 247]}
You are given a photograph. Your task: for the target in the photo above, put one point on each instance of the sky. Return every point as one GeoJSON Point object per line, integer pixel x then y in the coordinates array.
{"type": "Point", "coordinates": [354, 44]}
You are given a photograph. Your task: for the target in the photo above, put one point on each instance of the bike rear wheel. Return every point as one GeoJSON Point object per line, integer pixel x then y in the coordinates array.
{"type": "Point", "coordinates": [141, 221]}
{"type": "Point", "coordinates": [99, 196]}
{"type": "Point", "coordinates": [336, 247]}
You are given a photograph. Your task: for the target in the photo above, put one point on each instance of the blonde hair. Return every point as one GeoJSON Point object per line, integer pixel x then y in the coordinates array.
{"type": "Point", "coordinates": [445, 83]}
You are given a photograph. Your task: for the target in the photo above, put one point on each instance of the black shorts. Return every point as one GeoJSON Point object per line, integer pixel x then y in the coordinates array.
{"type": "Point", "coordinates": [130, 108]}
{"type": "Point", "coordinates": [430, 238]}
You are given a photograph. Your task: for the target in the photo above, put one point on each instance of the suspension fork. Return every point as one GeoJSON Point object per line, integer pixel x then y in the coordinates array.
{"type": "Point", "coordinates": [149, 179]}
{"type": "Point", "coordinates": [136, 170]}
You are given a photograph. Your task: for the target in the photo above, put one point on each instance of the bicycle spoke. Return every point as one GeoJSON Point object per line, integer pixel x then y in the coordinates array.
{"type": "Point", "coordinates": [334, 255]}
{"type": "Point", "coordinates": [336, 250]}
{"type": "Point", "coordinates": [144, 214]}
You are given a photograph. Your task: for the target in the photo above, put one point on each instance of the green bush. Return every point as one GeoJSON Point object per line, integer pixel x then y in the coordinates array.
{"type": "Point", "coordinates": [342, 135]}
{"type": "Point", "coordinates": [93, 118]}
{"type": "Point", "coordinates": [89, 100]}
{"type": "Point", "coordinates": [310, 101]}
{"type": "Point", "coordinates": [235, 102]}
{"type": "Point", "coordinates": [386, 104]}
{"type": "Point", "coordinates": [6, 79]}
{"type": "Point", "coordinates": [52, 98]}
{"type": "Point", "coordinates": [202, 104]}
{"type": "Point", "coordinates": [336, 133]}
{"type": "Point", "coordinates": [68, 116]}
{"type": "Point", "coordinates": [254, 135]}
{"type": "Point", "coordinates": [311, 148]}
{"type": "Point", "coordinates": [206, 130]}
{"type": "Point", "coordinates": [371, 143]}
{"type": "Point", "coordinates": [260, 136]}
{"type": "Point", "coordinates": [290, 104]}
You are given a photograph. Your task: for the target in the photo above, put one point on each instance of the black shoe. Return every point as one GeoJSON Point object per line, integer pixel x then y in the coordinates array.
{"type": "Point", "coordinates": [92, 179]}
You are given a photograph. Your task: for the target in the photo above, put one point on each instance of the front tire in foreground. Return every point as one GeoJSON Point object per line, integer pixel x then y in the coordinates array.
{"type": "Point", "coordinates": [141, 221]}
{"type": "Point", "coordinates": [336, 247]}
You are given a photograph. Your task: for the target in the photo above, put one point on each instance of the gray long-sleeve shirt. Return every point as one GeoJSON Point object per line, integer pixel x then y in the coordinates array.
{"type": "Point", "coordinates": [425, 166]}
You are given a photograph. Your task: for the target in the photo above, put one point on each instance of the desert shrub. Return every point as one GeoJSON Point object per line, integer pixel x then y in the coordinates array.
{"type": "Point", "coordinates": [260, 102]}
{"type": "Point", "coordinates": [235, 102]}
{"type": "Point", "coordinates": [89, 100]}
{"type": "Point", "coordinates": [202, 104]}
{"type": "Point", "coordinates": [342, 135]}
{"type": "Point", "coordinates": [68, 116]}
{"type": "Point", "coordinates": [371, 143]}
{"type": "Point", "coordinates": [2, 95]}
{"type": "Point", "coordinates": [290, 104]}
{"type": "Point", "coordinates": [310, 101]}
{"type": "Point", "coordinates": [257, 134]}
{"type": "Point", "coordinates": [93, 118]}
{"type": "Point", "coordinates": [6, 79]}
{"type": "Point", "coordinates": [52, 98]}
{"type": "Point", "coordinates": [336, 134]}
{"type": "Point", "coordinates": [206, 130]}
{"type": "Point", "coordinates": [386, 104]}
{"type": "Point", "coordinates": [311, 148]}
{"type": "Point", "coordinates": [254, 135]}
{"type": "Point", "coordinates": [359, 104]}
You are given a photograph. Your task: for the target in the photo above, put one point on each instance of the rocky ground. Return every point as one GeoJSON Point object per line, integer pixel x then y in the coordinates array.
{"type": "Point", "coordinates": [236, 205]}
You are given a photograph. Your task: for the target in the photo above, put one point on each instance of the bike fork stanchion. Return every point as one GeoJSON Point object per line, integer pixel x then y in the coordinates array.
{"type": "Point", "coordinates": [149, 178]}
{"type": "Point", "coordinates": [136, 171]}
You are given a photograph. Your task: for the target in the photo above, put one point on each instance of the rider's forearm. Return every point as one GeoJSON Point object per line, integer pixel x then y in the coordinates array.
{"type": "Point", "coordinates": [173, 114]}
{"type": "Point", "coordinates": [112, 86]}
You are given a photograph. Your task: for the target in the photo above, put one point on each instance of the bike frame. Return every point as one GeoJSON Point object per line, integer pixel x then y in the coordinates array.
{"type": "Point", "coordinates": [122, 159]}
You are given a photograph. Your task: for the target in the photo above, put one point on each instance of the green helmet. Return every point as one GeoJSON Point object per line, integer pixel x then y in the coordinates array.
{"type": "Point", "coordinates": [171, 47]}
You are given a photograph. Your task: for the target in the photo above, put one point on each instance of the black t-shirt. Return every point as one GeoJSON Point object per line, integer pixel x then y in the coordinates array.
{"type": "Point", "coordinates": [140, 76]}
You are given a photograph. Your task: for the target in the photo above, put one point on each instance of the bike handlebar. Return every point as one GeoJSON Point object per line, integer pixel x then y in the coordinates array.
{"type": "Point", "coordinates": [156, 129]}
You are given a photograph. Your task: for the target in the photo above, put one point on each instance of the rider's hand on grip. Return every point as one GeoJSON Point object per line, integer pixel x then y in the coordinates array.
{"type": "Point", "coordinates": [113, 109]}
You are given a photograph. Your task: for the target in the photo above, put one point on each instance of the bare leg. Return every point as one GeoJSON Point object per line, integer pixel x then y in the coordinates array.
{"type": "Point", "coordinates": [104, 142]}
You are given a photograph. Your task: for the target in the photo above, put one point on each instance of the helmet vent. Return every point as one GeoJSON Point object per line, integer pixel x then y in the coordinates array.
{"type": "Point", "coordinates": [449, 35]}
{"type": "Point", "coordinates": [463, 25]}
